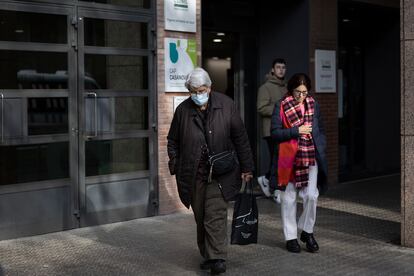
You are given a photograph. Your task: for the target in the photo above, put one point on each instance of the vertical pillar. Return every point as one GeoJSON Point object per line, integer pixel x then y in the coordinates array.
{"type": "Point", "coordinates": [323, 35]}
{"type": "Point", "coordinates": [407, 122]}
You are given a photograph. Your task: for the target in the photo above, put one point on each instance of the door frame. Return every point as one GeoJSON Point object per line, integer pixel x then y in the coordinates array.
{"type": "Point", "coordinates": [87, 218]}
{"type": "Point", "coordinates": [69, 220]}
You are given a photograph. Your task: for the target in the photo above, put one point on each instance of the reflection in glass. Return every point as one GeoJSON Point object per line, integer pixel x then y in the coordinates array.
{"type": "Point", "coordinates": [116, 156]}
{"type": "Point", "coordinates": [115, 114]}
{"type": "Point", "coordinates": [13, 117]}
{"type": "Point", "coordinates": [47, 115]}
{"type": "Point", "coordinates": [113, 33]}
{"type": "Point", "coordinates": [133, 3]}
{"type": "Point", "coordinates": [131, 113]}
{"type": "Point", "coordinates": [27, 163]}
{"type": "Point", "coordinates": [33, 70]}
{"type": "Point", "coordinates": [30, 27]}
{"type": "Point", "coordinates": [116, 72]}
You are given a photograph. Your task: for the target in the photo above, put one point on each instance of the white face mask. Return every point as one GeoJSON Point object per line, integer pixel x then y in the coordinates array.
{"type": "Point", "coordinates": [200, 99]}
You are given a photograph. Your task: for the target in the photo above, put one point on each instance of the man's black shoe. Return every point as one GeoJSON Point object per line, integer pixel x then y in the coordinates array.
{"type": "Point", "coordinates": [310, 241]}
{"type": "Point", "coordinates": [207, 264]}
{"type": "Point", "coordinates": [293, 246]}
{"type": "Point", "coordinates": [219, 266]}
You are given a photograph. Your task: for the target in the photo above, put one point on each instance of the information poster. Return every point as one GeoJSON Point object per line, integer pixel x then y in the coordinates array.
{"type": "Point", "coordinates": [325, 71]}
{"type": "Point", "coordinates": [180, 59]}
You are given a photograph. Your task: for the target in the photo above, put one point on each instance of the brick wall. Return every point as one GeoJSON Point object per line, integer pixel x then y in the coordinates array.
{"type": "Point", "coordinates": [168, 196]}
{"type": "Point", "coordinates": [323, 35]}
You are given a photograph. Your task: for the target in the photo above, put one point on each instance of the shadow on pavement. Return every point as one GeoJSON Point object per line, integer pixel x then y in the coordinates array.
{"type": "Point", "coordinates": [328, 219]}
{"type": "Point", "coordinates": [382, 192]}
{"type": "Point", "coordinates": [168, 243]}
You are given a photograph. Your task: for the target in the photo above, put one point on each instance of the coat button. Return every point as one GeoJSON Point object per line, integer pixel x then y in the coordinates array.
{"type": "Point", "coordinates": [210, 131]}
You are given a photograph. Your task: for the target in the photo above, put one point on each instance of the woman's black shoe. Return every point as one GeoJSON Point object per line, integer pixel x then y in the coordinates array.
{"type": "Point", "coordinates": [310, 241]}
{"type": "Point", "coordinates": [207, 264]}
{"type": "Point", "coordinates": [219, 266]}
{"type": "Point", "coordinates": [293, 246]}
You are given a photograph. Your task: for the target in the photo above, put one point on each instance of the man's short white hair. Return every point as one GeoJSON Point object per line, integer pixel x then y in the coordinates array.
{"type": "Point", "coordinates": [197, 78]}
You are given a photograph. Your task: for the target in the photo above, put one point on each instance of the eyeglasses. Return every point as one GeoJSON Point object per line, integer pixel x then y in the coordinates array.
{"type": "Point", "coordinates": [198, 92]}
{"type": "Point", "coordinates": [300, 93]}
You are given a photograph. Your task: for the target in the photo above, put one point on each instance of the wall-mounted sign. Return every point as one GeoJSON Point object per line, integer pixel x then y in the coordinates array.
{"type": "Point", "coordinates": [180, 15]}
{"type": "Point", "coordinates": [180, 59]}
{"type": "Point", "coordinates": [325, 71]}
{"type": "Point", "coordinates": [178, 100]}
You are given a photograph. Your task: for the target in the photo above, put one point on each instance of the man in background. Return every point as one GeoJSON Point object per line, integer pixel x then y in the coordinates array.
{"type": "Point", "coordinates": [269, 93]}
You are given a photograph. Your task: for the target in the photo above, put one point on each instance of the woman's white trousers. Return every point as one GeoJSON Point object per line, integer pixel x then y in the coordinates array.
{"type": "Point", "coordinates": [309, 196]}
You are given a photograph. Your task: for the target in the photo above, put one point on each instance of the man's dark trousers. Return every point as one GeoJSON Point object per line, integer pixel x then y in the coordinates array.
{"type": "Point", "coordinates": [210, 213]}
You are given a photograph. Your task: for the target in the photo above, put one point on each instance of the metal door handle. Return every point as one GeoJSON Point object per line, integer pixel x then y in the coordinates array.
{"type": "Point", "coordinates": [2, 117]}
{"type": "Point", "coordinates": [95, 107]}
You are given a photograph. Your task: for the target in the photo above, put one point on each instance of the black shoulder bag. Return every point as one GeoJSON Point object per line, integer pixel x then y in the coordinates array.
{"type": "Point", "coordinates": [221, 163]}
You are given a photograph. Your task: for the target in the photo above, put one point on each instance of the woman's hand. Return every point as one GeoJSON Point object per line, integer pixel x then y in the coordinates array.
{"type": "Point", "coordinates": [247, 176]}
{"type": "Point", "coordinates": [305, 129]}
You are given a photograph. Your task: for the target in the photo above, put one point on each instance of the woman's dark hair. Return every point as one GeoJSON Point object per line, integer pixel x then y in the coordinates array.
{"type": "Point", "coordinates": [278, 60]}
{"type": "Point", "coordinates": [298, 79]}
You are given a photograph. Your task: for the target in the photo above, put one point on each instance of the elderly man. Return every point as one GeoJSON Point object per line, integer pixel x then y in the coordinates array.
{"type": "Point", "coordinates": [204, 125]}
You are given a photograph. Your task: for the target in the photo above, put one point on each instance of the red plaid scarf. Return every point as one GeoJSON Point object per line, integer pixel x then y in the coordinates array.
{"type": "Point", "coordinates": [305, 155]}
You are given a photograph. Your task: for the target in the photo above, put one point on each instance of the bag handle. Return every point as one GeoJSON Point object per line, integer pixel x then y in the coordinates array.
{"type": "Point", "coordinates": [246, 186]}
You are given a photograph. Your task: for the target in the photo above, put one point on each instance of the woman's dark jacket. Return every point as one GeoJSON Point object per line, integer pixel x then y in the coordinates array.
{"type": "Point", "coordinates": [280, 134]}
{"type": "Point", "coordinates": [224, 130]}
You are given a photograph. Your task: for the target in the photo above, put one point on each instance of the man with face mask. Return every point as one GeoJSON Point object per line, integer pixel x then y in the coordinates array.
{"type": "Point", "coordinates": [269, 93]}
{"type": "Point", "coordinates": [207, 124]}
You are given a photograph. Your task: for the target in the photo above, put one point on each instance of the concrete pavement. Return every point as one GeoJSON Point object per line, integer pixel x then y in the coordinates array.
{"type": "Point", "coordinates": [357, 229]}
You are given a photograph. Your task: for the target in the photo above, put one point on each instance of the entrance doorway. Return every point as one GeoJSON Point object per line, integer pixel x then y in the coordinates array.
{"type": "Point", "coordinates": [369, 84]}
{"type": "Point", "coordinates": [233, 71]}
{"type": "Point", "coordinates": [77, 109]}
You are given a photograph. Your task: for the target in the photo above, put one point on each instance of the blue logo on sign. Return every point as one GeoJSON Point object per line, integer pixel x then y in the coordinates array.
{"type": "Point", "coordinates": [173, 53]}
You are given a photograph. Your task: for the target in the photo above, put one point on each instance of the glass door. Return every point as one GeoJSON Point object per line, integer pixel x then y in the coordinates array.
{"type": "Point", "coordinates": [115, 102]}
{"type": "Point", "coordinates": [38, 171]}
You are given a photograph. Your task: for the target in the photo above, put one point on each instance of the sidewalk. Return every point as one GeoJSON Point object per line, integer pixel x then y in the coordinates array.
{"type": "Point", "coordinates": [357, 230]}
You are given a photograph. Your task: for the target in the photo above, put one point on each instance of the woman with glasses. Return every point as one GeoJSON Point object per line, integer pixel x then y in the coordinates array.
{"type": "Point", "coordinates": [300, 165]}
{"type": "Point", "coordinates": [208, 124]}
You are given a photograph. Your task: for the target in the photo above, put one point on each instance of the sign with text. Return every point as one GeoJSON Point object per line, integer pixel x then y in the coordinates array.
{"type": "Point", "coordinates": [325, 71]}
{"type": "Point", "coordinates": [178, 100]}
{"type": "Point", "coordinates": [180, 59]}
{"type": "Point", "coordinates": [180, 15]}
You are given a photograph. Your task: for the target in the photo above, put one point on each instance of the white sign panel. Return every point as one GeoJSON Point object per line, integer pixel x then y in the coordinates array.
{"type": "Point", "coordinates": [178, 100]}
{"type": "Point", "coordinates": [325, 71]}
{"type": "Point", "coordinates": [180, 15]}
{"type": "Point", "coordinates": [180, 59]}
